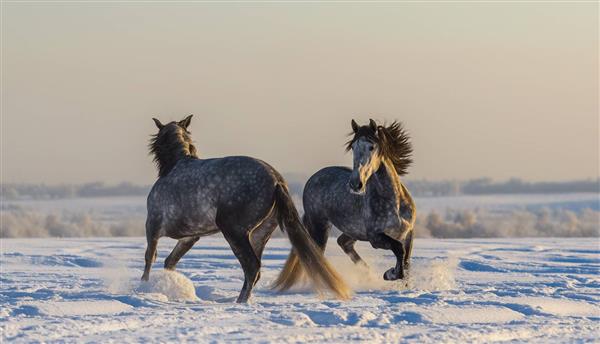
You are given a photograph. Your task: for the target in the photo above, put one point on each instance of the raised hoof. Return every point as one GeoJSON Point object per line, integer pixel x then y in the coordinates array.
{"type": "Point", "coordinates": [392, 275]}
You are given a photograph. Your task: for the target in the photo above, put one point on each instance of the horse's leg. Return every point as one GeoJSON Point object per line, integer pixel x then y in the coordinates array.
{"type": "Point", "coordinates": [260, 236]}
{"type": "Point", "coordinates": [347, 244]}
{"type": "Point", "coordinates": [236, 224]}
{"type": "Point", "coordinates": [150, 256]}
{"type": "Point", "coordinates": [396, 272]}
{"type": "Point", "coordinates": [241, 247]}
{"type": "Point", "coordinates": [182, 247]}
{"type": "Point", "coordinates": [408, 241]}
{"type": "Point", "coordinates": [318, 230]}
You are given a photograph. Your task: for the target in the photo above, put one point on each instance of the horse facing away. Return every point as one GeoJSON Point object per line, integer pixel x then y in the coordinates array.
{"type": "Point", "coordinates": [243, 197]}
{"type": "Point", "coordinates": [367, 203]}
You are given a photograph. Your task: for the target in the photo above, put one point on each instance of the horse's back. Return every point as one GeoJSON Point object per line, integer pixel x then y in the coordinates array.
{"type": "Point", "coordinates": [226, 173]}
{"type": "Point", "coordinates": [189, 198]}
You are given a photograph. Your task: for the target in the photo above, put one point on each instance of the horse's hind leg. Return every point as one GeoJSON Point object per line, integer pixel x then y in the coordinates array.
{"type": "Point", "coordinates": [237, 235]}
{"type": "Point", "coordinates": [260, 236]}
{"type": "Point", "coordinates": [347, 244]}
{"type": "Point", "coordinates": [241, 247]}
{"type": "Point", "coordinates": [182, 247]}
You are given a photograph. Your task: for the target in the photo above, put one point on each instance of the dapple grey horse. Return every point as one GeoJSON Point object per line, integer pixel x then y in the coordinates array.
{"type": "Point", "coordinates": [242, 197]}
{"type": "Point", "coordinates": [367, 203]}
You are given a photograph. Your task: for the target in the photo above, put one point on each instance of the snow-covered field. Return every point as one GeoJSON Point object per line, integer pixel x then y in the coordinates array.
{"type": "Point", "coordinates": [88, 290]}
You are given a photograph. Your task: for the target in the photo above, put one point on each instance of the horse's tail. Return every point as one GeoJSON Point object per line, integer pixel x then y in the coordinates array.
{"type": "Point", "coordinates": [305, 254]}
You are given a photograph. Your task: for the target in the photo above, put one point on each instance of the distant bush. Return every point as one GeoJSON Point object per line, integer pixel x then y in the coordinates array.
{"type": "Point", "coordinates": [466, 223]}
{"type": "Point", "coordinates": [18, 222]}
{"type": "Point", "coordinates": [63, 191]}
{"type": "Point", "coordinates": [474, 223]}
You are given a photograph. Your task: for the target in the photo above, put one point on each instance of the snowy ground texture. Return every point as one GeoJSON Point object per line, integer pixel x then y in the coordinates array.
{"type": "Point", "coordinates": [496, 290]}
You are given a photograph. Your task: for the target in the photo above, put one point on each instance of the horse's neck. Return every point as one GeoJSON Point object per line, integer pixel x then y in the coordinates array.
{"type": "Point", "coordinates": [168, 160]}
{"type": "Point", "coordinates": [387, 182]}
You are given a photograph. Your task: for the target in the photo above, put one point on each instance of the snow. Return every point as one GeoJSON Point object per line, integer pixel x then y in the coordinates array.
{"type": "Point", "coordinates": [470, 290]}
{"type": "Point", "coordinates": [171, 285]}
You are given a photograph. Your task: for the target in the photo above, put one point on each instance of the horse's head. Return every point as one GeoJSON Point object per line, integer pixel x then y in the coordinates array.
{"type": "Point", "coordinates": [172, 142]}
{"type": "Point", "coordinates": [366, 155]}
{"type": "Point", "coordinates": [175, 133]}
{"type": "Point", "coordinates": [174, 128]}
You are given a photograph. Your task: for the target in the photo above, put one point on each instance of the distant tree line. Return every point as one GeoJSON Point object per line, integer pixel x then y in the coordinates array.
{"type": "Point", "coordinates": [515, 185]}
{"type": "Point", "coordinates": [62, 191]}
{"type": "Point", "coordinates": [486, 186]}
{"type": "Point", "coordinates": [418, 188]}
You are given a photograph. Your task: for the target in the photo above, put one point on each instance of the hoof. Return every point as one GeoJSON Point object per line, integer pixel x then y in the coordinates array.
{"type": "Point", "coordinates": [145, 278]}
{"type": "Point", "coordinates": [392, 275]}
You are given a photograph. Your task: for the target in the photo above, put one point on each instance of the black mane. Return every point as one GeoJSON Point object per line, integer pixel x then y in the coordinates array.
{"type": "Point", "coordinates": [392, 140]}
{"type": "Point", "coordinates": [171, 144]}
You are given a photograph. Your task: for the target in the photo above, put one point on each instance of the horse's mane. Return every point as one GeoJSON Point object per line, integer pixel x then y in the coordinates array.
{"type": "Point", "coordinates": [169, 145]}
{"type": "Point", "coordinates": [393, 142]}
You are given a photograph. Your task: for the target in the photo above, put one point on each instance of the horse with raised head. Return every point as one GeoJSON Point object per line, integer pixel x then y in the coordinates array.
{"type": "Point", "coordinates": [366, 203]}
{"type": "Point", "coordinates": [242, 197]}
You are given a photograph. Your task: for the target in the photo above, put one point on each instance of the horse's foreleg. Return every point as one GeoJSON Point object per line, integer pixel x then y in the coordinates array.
{"type": "Point", "coordinates": [408, 249]}
{"type": "Point", "coordinates": [347, 245]}
{"type": "Point", "coordinates": [318, 229]}
{"type": "Point", "coordinates": [396, 272]}
{"type": "Point", "coordinates": [150, 257]}
{"type": "Point", "coordinates": [182, 247]}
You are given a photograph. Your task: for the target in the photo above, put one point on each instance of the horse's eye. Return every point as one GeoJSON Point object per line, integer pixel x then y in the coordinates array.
{"type": "Point", "coordinates": [371, 148]}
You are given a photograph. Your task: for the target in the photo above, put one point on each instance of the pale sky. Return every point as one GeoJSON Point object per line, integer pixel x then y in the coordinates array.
{"type": "Point", "coordinates": [486, 89]}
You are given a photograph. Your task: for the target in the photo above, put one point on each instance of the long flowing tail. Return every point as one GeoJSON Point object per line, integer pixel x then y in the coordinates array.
{"type": "Point", "coordinates": [291, 274]}
{"type": "Point", "coordinates": [305, 254]}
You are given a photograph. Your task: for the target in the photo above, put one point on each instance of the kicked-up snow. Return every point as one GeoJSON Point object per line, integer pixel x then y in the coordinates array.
{"type": "Point", "coordinates": [472, 290]}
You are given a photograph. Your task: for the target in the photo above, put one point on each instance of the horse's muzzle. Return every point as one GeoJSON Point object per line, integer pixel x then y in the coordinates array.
{"type": "Point", "coordinates": [356, 187]}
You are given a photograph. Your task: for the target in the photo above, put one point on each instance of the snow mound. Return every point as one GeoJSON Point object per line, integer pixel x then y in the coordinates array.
{"type": "Point", "coordinates": [434, 274]}
{"type": "Point", "coordinates": [171, 284]}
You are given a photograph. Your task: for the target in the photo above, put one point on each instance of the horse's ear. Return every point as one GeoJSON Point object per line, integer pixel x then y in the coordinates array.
{"type": "Point", "coordinates": [158, 124]}
{"type": "Point", "coordinates": [185, 123]}
{"type": "Point", "coordinates": [380, 132]}
{"type": "Point", "coordinates": [373, 125]}
{"type": "Point", "coordinates": [354, 126]}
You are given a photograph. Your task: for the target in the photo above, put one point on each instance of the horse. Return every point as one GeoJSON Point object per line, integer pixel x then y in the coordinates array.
{"type": "Point", "coordinates": [366, 203]}
{"type": "Point", "coordinates": [242, 197]}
